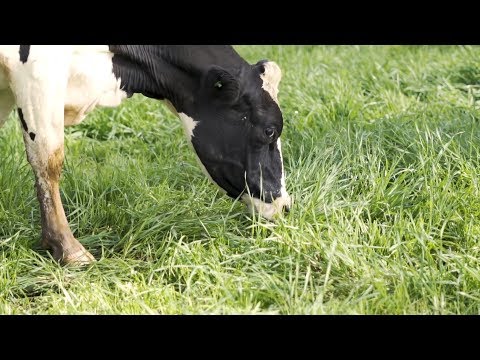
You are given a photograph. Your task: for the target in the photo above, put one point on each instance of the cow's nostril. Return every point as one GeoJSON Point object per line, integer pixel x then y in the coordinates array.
{"type": "Point", "coordinates": [286, 209]}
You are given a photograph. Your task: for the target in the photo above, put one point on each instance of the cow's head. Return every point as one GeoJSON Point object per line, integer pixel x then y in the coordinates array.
{"type": "Point", "coordinates": [235, 130]}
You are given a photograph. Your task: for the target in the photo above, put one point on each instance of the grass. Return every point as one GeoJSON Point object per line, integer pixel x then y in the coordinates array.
{"type": "Point", "coordinates": [381, 148]}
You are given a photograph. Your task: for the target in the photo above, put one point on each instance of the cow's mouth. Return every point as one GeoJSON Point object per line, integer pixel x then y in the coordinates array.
{"type": "Point", "coordinates": [268, 210]}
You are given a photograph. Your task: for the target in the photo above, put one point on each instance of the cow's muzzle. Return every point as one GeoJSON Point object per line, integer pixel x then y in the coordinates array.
{"type": "Point", "coordinates": [271, 210]}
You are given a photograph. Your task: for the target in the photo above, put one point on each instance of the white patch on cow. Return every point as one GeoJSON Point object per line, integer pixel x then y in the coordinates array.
{"type": "Point", "coordinates": [283, 189]}
{"type": "Point", "coordinates": [271, 79]}
{"type": "Point", "coordinates": [188, 124]}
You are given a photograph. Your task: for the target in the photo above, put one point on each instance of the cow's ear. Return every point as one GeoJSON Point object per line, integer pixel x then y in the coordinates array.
{"type": "Point", "coordinates": [271, 75]}
{"type": "Point", "coordinates": [221, 84]}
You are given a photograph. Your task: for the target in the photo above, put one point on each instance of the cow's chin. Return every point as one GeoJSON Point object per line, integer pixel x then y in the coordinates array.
{"type": "Point", "coordinates": [269, 211]}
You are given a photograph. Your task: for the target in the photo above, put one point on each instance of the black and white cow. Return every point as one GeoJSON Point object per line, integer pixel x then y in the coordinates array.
{"type": "Point", "coordinates": [229, 109]}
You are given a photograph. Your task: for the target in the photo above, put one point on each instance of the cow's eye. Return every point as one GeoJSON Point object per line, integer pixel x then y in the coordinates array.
{"type": "Point", "coordinates": [245, 117]}
{"type": "Point", "coordinates": [270, 132]}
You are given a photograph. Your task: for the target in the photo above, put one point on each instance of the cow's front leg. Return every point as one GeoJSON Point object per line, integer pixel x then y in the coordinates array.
{"type": "Point", "coordinates": [45, 154]}
{"type": "Point", "coordinates": [56, 233]}
{"type": "Point", "coordinates": [39, 86]}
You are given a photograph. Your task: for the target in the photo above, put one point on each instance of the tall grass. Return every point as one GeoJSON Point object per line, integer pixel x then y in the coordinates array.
{"type": "Point", "coordinates": [381, 147]}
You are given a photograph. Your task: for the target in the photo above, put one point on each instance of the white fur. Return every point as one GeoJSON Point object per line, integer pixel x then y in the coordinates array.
{"type": "Point", "coordinates": [271, 79]}
{"type": "Point", "coordinates": [188, 124]}
{"type": "Point", "coordinates": [283, 189]}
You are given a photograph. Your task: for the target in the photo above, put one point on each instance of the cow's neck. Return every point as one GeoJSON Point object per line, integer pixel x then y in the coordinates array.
{"type": "Point", "coordinates": [169, 72]}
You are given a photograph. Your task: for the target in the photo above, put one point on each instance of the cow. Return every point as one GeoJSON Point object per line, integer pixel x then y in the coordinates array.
{"type": "Point", "coordinates": [229, 110]}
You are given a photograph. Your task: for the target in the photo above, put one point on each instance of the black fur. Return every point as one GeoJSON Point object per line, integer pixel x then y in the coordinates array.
{"type": "Point", "coordinates": [24, 52]}
{"type": "Point", "coordinates": [223, 93]}
{"type": "Point", "coordinates": [22, 120]}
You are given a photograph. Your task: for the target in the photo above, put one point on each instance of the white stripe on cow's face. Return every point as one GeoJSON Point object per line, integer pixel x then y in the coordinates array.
{"type": "Point", "coordinates": [283, 190]}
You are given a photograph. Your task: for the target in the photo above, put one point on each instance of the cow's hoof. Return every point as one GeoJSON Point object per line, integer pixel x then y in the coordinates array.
{"type": "Point", "coordinates": [78, 258]}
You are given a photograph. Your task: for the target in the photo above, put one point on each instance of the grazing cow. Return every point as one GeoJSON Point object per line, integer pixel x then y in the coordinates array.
{"type": "Point", "coordinates": [228, 107]}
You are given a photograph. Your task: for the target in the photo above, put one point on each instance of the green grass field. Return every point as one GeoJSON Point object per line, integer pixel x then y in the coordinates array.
{"type": "Point", "coordinates": [381, 148]}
